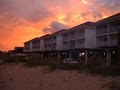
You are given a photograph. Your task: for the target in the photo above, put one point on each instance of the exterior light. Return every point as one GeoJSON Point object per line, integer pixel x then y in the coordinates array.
{"type": "Point", "coordinates": [81, 54]}
{"type": "Point", "coordinates": [91, 52]}
{"type": "Point", "coordinates": [104, 53]}
{"type": "Point", "coordinates": [113, 51]}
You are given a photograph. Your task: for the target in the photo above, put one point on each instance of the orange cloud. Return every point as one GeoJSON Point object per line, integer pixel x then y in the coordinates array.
{"type": "Point", "coordinates": [22, 20]}
{"type": "Point", "coordinates": [15, 33]}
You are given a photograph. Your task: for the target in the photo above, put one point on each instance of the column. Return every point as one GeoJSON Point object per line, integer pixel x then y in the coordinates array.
{"type": "Point", "coordinates": [49, 56]}
{"type": "Point", "coordinates": [108, 57]}
{"type": "Point", "coordinates": [86, 57]}
{"type": "Point", "coordinates": [42, 57]}
{"type": "Point", "coordinates": [58, 56]}
{"type": "Point", "coordinates": [70, 55]}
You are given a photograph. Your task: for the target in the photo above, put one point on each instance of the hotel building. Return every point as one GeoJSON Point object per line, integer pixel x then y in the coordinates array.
{"type": "Point", "coordinates": [86, 38]}
{"type": "Point", "coordinates": [107, 34]}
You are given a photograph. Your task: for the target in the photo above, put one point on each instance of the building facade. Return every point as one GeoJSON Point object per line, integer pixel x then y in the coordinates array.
{"type": "Point", "coordinates": [28, 46]}
{"type": "Point", "coordinates": [53, 41]}
{"type": "Point", "coordinates": [82, 39]}
{"type": "Point", "coordinates": [64, 43]}
{"type": "Point", "coordinates": [107, 36]}
{"type": "Point", "coordinates": [35, 45]}
{"type": "Point", "coordinates": [79, 37]}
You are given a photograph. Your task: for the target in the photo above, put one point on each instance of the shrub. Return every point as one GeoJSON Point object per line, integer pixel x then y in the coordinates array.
{"type": "Point", "coordinates": [106, 70]}
{"type": "Point", "coordinates": [113, 85]}
{"type": "Point", "coordinates": [92, 68]}
{"type": "Point", "coordinates": [96, 61]}
{"type": "Point", "coordinates": [12, 59]}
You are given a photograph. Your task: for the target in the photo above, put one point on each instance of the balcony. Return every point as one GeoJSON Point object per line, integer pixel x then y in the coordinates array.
{"type": "Point", "coordinates": [72, 44]}
{"type": "Point", "coordinates": [101, 31]}
{"type": "Point", "coordinates": [80, 34]}
{"type": "Point", "coordinates": [65, 37]}
{"type": "Point", "coordinates": [114, 26]}
{"type": "Point", "coordinates": [46, 47]}
{"type": "Point", "coordinates": [46, 41]}
{"type": "Point", "coordinates": [80, 43]}
{"type": "Point", "coordinates": [113, 40]}
{"type": "Point", "coordinates": [113, 43]}
{"type": "Point", "coordinates": [65, 45]}
{"type": "Point", "coordinates": [53, 46]}
{"type": "Point", "coordinates": [102, 41]}
{"type": "Point", "coordinates": [53, 40]}
{"type": "Point", "coordinates": [72, 36]}
{"type": "Point", "coordinates": [113, 29]}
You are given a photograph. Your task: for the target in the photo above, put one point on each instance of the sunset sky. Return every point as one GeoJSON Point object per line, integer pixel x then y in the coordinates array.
{"type": "Point", "coordinates": [22, 20]}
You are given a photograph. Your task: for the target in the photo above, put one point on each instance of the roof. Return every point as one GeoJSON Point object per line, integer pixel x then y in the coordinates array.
{"type": "Point", "coordinates": [30, 40]}
{"type": "Point", "coordinates": [44, 36]}
{"type": "Point", "coordinates": [83, 25]}
{"type": "Point", "coordinates": [16, 50]}
{"type": "Point", "coordinates": [109, 19]}
{"type": "Point", "coordinates": [18, 47]}
{"type": "Point", "coordinates": [58, 32]}
{"type": "Point", "coordinates": [37, 38]}
{"type": "Point", "coordinates": [1, 52]}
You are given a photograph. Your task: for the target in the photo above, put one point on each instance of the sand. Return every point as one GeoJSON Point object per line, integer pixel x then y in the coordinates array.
{"type": "Point", "coordinates": [18, 77]}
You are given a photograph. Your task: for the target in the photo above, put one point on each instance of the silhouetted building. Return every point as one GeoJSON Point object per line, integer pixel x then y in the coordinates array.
{"type": "Point", "coordinates": [107, 36]}
{"type": "Point", "coordinates": [86, 38]}
{"type": "Point", "coordinates": [18, 51]}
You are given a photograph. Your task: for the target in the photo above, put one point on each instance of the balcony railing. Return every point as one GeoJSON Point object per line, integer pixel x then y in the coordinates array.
{"type": "Point", "coordinates": [72, 37]}
{"type": "Point", "coordinates": [113, 29]}
{"type": "Point", "coordinates": [80, 35]}
{"type": "Point", "coordinates": [102, 31]}
{"type": "Point", "coordinates": [80, 43]}
{"type": "Point", "coordinates": [113, 43]}
{"type": "Point", "coordinates": [102, 43]}
{"type": "Point", "coordinates": [53, 41]}
{"type": "Point", "coordinates": [65, 45]}
{"type": "Point", "coordinates": [65, 38]}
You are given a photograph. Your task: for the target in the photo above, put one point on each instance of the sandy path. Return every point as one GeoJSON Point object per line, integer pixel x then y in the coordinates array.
{"type": "Point", "coordinates": [17, 77]}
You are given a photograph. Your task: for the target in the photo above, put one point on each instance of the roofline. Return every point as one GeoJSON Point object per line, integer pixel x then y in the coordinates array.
{"type": "Point", "coordinates": [83, 24]}
{"type": "Point", "coordinates": [106, 19]}
{"type": "Point", "coordinates": [37, 38]}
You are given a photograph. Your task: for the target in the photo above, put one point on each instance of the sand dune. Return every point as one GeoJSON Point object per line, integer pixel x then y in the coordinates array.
{"type": "Point", "coordinates": [18, 77]}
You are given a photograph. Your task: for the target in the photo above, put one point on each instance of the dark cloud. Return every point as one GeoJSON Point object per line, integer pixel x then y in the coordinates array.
{"type": "Point", "coordinates": [54, 26]}
{"type": "Point", "coordinates": [57, 26]}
